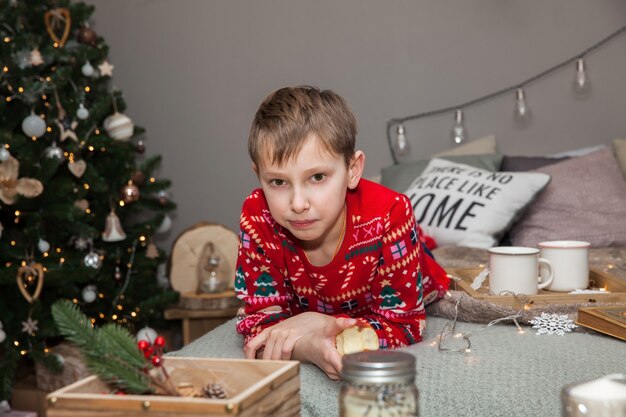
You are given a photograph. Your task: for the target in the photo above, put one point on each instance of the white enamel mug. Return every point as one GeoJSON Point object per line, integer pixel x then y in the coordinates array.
{"type": "Point", "coordinates": [570, 262]}
{"type": "Point", "coordinates": [515, 269]}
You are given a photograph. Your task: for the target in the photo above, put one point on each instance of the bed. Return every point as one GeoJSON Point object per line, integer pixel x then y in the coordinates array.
{"type": "Point", "coordinates": [506, 372]}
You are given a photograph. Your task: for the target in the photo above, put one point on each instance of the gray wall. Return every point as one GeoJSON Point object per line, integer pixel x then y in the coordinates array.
{"type": "Point", "coordinates": [194, 71]}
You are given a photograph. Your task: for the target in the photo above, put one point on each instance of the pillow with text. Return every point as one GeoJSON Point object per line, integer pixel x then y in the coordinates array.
{"type": "Point", "coordinates": [460, 205]}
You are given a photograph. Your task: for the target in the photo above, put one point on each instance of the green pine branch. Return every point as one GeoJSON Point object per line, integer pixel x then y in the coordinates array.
{"type": "Point", "coordinates": [116, 339]}
{"type": "Point", "coordinates": [8, 365]}
{"type": "Point", "coordinates": [150, 164]}
{"type": "Point", "coordinates": [110, 351]}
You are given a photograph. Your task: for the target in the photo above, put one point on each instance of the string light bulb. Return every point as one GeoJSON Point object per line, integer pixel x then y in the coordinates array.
{"type": "Point", "coordinates": [459, 133]}
{"type": "Point", "coordinates": [521, 112]}
{"type": "Point", "coordinates": [581, 84]}
{"type": "Point", "coordinates": [401, 145]}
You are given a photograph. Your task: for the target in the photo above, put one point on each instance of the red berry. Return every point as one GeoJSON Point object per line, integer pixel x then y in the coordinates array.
{"type": "Point", "coordinates": [143, 345]}
{"type": "Point", "coordinates": [159, 341]}
{"type": "Point", "coordinates": [156, 361]}
{"type": "Point", "coordinates": [148, 352]}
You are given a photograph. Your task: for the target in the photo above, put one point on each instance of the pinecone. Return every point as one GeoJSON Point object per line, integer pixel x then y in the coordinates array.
{"type": "Point", "coordinates": [214, 391]}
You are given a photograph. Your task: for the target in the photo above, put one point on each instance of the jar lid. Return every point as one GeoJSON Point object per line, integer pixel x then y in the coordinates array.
{"type": "Point", "coordinates": [380, 366]}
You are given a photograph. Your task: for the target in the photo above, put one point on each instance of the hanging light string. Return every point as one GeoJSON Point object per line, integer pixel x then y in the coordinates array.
{"type": "Point", "coordinates": [449, 328]}
{"type": "Point", "coordinates": [401, 120]}
{"type": "Point", "coordinates": [129, 271]}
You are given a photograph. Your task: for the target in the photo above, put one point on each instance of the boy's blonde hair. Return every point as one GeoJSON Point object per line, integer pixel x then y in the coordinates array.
{"type": "Point", "coordinates": [289, 115]}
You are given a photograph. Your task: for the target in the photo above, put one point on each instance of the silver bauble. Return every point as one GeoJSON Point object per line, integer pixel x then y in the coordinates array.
{"type": "Point", "coordinates": [3, 335]}
{"type": "Point", "coordinates": [92, 260]}
{"type": "Point", "coordinates": [82, 113]}
{"type": "Point", "coordinates": [89, 293]}
{"type": "Point", "coordinates": [165, 225]}
{"type": "Point", "coordinates": [161, 276]}
{"type": "Point", "coordinates": [43, 245]}
{"type": "Point", "coordinates": [33, 126]}
{"type": "Point", "coordinates": [53, 152]}
{"type": "Point", "coordinates": [147, 333]}
{"type": "Point", "coordinates": [163, 197]}
{"type": "Point", "coordinates": [87, 69]}
{"type": "Point", "coordinates": [4, 154]}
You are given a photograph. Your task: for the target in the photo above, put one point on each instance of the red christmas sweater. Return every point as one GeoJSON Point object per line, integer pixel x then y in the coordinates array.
{"type": "Point", "coordinates": [380, 275]}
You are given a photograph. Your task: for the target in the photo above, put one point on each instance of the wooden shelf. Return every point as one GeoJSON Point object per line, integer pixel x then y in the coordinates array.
{"type": "Point", "coordinates": [201, 313]}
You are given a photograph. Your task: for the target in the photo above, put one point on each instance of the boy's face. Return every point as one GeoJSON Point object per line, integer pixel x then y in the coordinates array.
{"type": "Point", "coordinates": [307, 194]}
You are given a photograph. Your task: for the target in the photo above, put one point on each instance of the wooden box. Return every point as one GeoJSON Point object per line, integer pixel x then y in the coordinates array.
{"type": "Point", "coordinates": [254, 388]}
{"type": "Point", "coordinates": [615, 290]}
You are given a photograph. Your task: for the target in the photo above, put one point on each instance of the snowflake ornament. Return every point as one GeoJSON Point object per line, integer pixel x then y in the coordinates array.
{"type": "Point", "coordinates": [553, 324]}
{"type": "Point", "coordinates": [30, 326]}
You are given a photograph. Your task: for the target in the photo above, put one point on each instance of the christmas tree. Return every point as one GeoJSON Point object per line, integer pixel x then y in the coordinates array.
{"type": "Point", "coordinates": [79, 202]}
{"type": "Point", "coordinates": [390, 298]}
{"type": "Point", "coordinates": [266, 283]}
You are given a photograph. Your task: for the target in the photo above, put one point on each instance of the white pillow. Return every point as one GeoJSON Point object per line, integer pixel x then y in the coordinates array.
{"type": "Point", "coordinates": [460, 205]}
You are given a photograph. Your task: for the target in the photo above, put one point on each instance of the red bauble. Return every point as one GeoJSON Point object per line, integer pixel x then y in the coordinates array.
{"type": "Point", "coordinates": [140, 147]}
{"type": "Point", "coordinates": [143, 345]}
{"type": "Point", "coordinates": [147, 352]}
{"type": "Point", "coordinates": [163, 197]}
{"type": "Point", "coordinates": [139, 178]}
{"type": "Point", "coordinates": [87, 36]}
{"type": "Point", "coordinates": [159, 341]}
{"type": "Point", "coordinates": [156, 361]}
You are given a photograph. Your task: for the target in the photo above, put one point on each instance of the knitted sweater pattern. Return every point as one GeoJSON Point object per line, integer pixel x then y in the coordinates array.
{"type": "Point", "coordinates": [380, 274]}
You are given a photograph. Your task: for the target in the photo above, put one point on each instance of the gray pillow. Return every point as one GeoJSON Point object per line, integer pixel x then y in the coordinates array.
{"type": "Point", "coordinates": [527, 163]}
{"type": "Point", "coordinates": [586, 200]}
{"type": "Point", "coordinates": [399, 177]}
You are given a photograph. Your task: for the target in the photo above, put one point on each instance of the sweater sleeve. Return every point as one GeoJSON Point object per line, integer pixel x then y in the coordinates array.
{"type": "Point", "coordinates": [406, 277]}
{"type": "Point", "coordinates": [259, 280]}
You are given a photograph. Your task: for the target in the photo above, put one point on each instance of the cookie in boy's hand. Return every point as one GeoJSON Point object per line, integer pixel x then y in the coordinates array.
{"type": "Point", "coordinates": [357, 339]}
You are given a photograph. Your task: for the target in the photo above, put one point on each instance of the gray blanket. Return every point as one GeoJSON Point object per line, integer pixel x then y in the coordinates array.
{"type": "Point", "coordinates": [505, 374]}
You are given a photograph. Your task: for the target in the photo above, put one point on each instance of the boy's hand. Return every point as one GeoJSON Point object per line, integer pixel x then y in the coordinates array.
{"type": "Point", "coordinates": [322, 350]}
{"type": "Point", "coordinates": [308, 337]}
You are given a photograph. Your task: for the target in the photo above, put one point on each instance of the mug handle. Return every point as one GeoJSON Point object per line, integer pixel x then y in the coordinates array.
{"type": "Point", "coordinates": [545, 282]}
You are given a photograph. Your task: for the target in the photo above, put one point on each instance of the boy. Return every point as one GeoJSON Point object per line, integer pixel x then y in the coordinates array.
{"type": "Point", "coordinates": [322, 249]}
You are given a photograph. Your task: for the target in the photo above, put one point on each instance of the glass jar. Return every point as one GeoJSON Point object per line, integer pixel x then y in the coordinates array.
{"type": "Point", "coordinates": [212, 270]}
{"type": "Point", "coordinates": [605, 396]}
{"type": "Point", "coordinates": [378, 384]}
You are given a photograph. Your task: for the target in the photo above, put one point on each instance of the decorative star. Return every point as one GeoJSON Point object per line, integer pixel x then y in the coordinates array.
{"type": "Point", "coordinates": [106, 68]}
{"type": "Point", "coordinates": [30, 326]}
{"type": "Point", "coordinates": [67, 129]}
{"type": "Point", "coordinates": [81, 243]}
{"type": "Point", "coordinates": [35, 57]}
{"type": "Point", "coordinates": [385, 282]}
